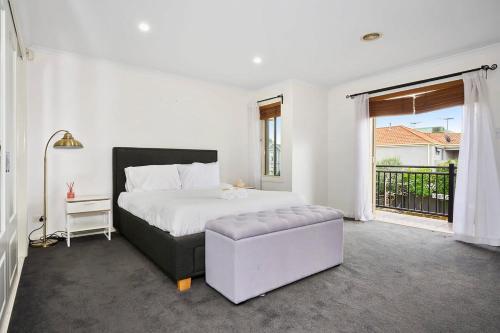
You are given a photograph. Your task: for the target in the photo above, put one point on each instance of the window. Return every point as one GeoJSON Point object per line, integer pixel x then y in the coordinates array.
{"type": "Point", "coordinates": [270, 114]}
{"type": "Point", "coordinates": [272, 146]}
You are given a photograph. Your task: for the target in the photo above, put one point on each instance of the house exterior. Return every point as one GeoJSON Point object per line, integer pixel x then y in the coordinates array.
{"type": "Point", "coordinates": [270, 152]}
{"type": "Point", "coordinates": [415, 147]}
{"type": "Point", "coordinates": [433, 129]}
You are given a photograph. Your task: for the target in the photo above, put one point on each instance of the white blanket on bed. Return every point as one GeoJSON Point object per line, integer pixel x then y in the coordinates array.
{"type": "Point", "coordinates": [185, 212]}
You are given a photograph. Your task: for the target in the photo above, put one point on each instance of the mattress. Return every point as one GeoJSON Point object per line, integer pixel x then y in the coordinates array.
{"type": "Point", "coordinates": [185, 212]}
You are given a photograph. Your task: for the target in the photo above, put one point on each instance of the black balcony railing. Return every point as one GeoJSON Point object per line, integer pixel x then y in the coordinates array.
{"type": "Point", "coordinates": [427, 190]}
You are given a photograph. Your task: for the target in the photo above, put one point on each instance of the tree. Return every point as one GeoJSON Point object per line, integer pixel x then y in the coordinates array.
{"type": "Point", "coordinates": [447, 163]}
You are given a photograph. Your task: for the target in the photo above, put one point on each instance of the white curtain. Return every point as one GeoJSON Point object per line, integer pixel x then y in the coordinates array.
{"type": "Point", "coordinates": [363, 169]}
{"type": "Point", "coordinates": [476, 214]}
{"type": "Point", "coordinates": [254, 165]}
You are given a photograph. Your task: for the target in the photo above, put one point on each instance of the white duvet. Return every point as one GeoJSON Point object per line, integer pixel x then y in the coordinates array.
{"type": "Point", "coordinates": [185, 212]}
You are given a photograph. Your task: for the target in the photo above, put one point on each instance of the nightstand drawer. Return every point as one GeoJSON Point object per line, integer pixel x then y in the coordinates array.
{"type": "Point", "coordinates": [87, 206]}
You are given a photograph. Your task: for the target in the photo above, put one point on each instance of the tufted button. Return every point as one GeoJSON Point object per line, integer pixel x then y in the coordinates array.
{"type": "Point", "coordinates": [262, 222]}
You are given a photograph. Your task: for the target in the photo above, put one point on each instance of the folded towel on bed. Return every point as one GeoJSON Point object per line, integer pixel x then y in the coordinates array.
{"type": "Point", "coordinates": [234, 193]}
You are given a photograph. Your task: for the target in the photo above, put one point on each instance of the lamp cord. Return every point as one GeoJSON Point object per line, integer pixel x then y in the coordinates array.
{"type": "Point", "coordinates": [59, 235]}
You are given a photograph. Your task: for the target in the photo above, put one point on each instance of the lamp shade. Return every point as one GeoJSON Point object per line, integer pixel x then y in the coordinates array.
{"type": "Point", "coordinates": [68, 142]}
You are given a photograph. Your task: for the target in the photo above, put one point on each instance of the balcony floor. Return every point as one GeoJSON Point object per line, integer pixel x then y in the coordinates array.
{"type": "Point", "coordinates": [413, 221]}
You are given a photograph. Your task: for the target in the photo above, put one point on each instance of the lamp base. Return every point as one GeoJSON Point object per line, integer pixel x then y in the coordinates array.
{"type": "Point", "coordinates": [48, 243]}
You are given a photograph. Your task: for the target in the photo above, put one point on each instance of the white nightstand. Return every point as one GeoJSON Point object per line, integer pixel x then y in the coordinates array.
{"type": "Point", "coordinates": [86, 205]}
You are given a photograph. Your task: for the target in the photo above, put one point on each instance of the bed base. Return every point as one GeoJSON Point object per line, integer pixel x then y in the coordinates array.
{"type": "Point", "coordinates": [181, 258]}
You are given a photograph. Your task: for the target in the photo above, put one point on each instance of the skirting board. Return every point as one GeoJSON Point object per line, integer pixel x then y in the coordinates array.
{"type": "Point", "coordinates": [4, 326]}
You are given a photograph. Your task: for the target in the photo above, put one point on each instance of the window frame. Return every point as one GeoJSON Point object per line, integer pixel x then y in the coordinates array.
{"type": "Point", "coordinates": [265, 141]}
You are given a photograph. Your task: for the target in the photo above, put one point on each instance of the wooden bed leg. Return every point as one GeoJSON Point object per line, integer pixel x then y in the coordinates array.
{"type": "Point", "coordinates": [184, 284]}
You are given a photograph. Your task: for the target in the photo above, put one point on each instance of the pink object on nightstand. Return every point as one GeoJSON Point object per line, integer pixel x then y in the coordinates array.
{"type": "Point", "coordinates": [70, 194]}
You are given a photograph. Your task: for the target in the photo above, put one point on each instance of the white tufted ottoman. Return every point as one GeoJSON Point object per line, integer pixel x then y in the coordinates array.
{"type": "Point", "coordinates": [250, 254]}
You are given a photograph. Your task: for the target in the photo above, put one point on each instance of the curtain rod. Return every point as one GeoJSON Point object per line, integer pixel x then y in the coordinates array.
{"type": "Point", "coordinates": [483, 67]}
{"type": "Point", "coordinates": [270, 98]}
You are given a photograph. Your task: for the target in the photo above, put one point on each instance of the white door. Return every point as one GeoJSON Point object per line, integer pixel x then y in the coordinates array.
{"type": "Point", "coordinates": [8, 210]}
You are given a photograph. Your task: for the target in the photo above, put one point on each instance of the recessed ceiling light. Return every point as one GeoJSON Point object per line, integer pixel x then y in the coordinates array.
{"type": "Point", "coordinates": [371, 36]}
{"type": "Point", "coordinates": [257, 60]}
{"type": "Point", "coordinates": [144, 27]}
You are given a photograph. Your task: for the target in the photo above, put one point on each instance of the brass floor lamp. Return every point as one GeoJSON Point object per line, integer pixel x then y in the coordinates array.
{"type": "Point", "coordinates": [66, 142]}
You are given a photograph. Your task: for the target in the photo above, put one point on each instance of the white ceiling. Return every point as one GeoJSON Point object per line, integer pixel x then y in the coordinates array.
{"type": "Point", "coordinates": [312, 40]}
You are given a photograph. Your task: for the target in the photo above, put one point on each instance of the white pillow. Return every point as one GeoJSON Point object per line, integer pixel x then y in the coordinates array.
{"type": "Point", "coordinates": [199, 175]}
{"type": "Point", "coordinates": [152, 178]}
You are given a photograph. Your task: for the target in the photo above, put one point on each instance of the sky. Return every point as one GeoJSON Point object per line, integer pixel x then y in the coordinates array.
{"type": "Point", "coordinates": [429, 119]}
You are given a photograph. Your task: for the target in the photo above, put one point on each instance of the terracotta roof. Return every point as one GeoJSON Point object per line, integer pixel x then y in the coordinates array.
{"type": "Point", "coordinates": [402, 135]}
{"type": "Point", "coordinates": [454, 138]}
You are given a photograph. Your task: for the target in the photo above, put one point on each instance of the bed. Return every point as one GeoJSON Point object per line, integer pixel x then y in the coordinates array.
{"type": "Point", "coordinates": [168, 227]}
{"type": "Point", "coordinates": [185, 212]}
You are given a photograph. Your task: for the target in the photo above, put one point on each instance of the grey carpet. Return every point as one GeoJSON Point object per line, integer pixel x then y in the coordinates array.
{"type": "Point", "coordinates": [394, 279]}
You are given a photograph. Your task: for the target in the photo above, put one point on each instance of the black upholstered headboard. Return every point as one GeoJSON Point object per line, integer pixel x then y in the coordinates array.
{"type": "Point", "coordinates": [124, 157]}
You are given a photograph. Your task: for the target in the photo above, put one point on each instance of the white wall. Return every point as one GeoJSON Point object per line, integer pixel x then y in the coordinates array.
{"type": "Point", "coordinates": [309, 163]}
{"type": "Point", "coordinates": [105, 104]}
{"type": "Point", "coordinates": [341, 113]}
{"type": "Point", "coordinates": [304, 119]}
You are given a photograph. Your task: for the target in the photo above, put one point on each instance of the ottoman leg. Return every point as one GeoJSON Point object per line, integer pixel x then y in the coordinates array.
{"type": "Point", "coordinates": [184, 284]}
